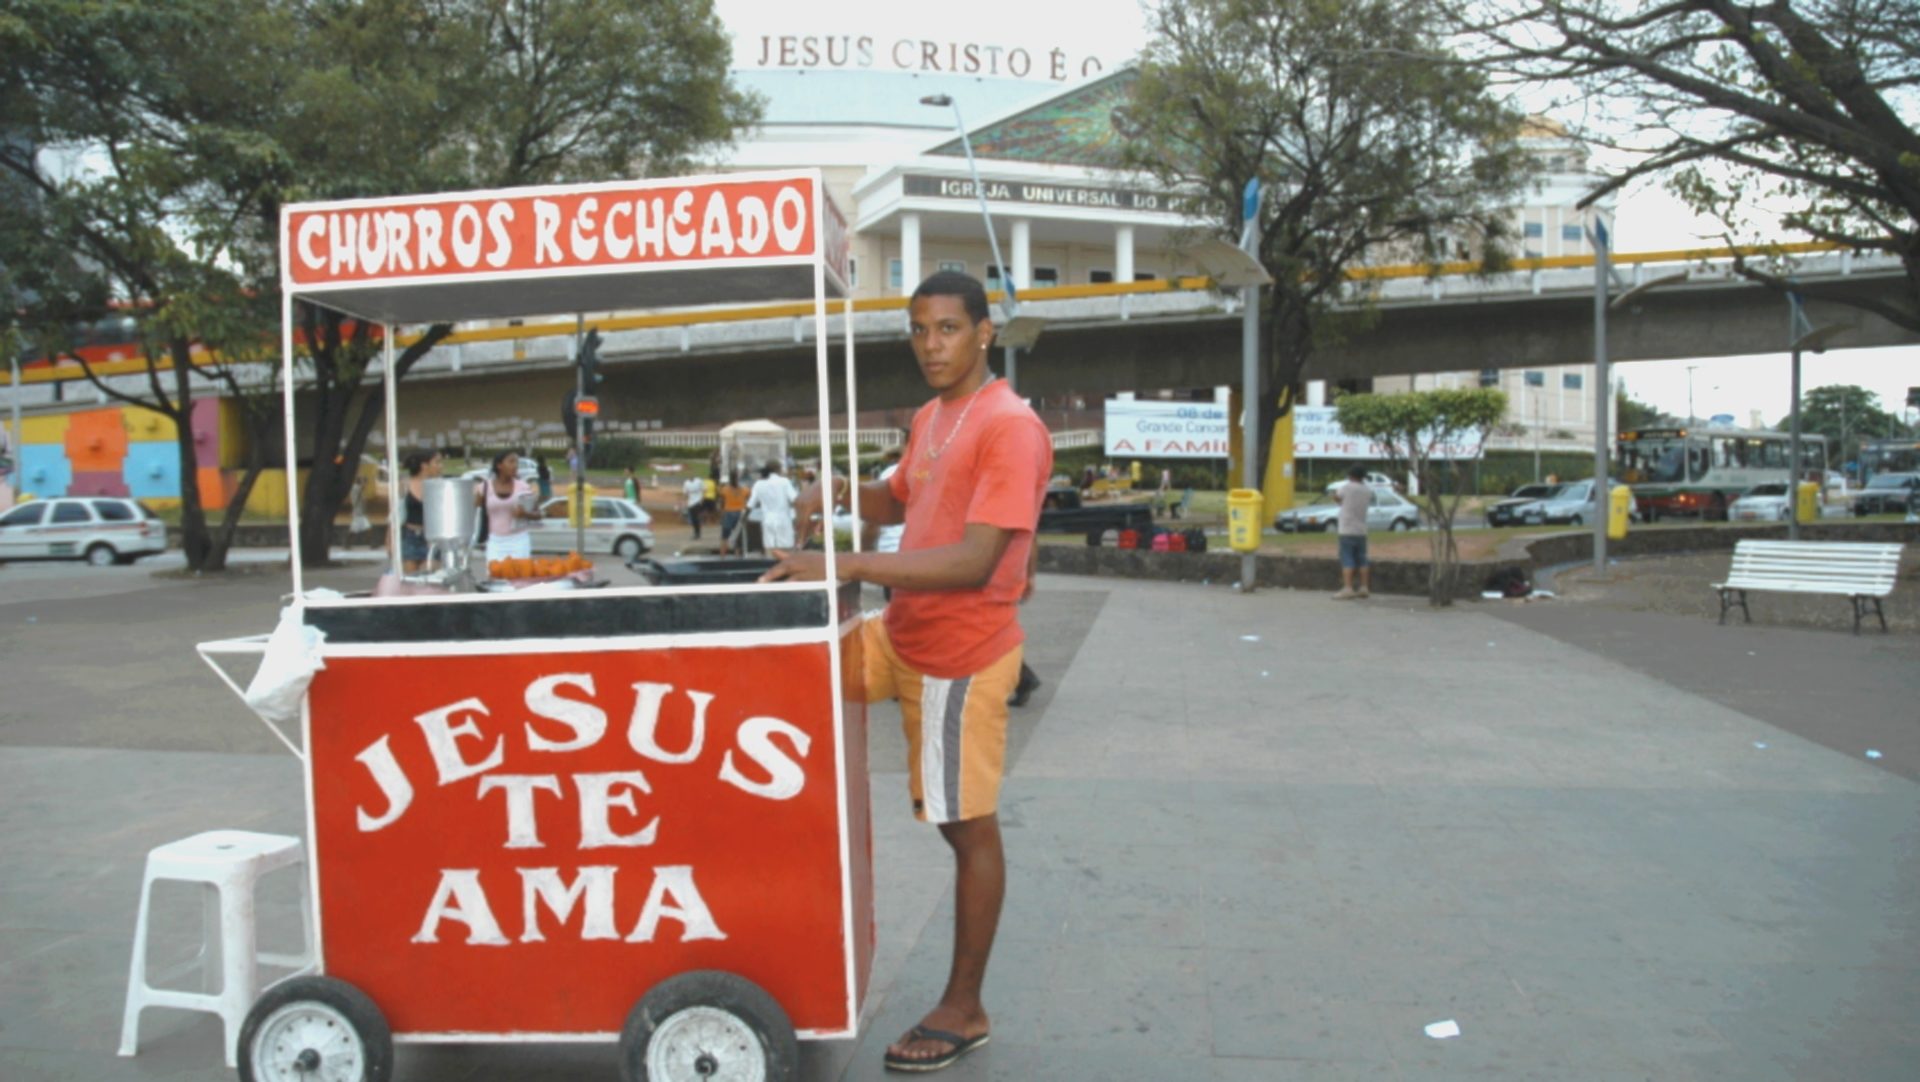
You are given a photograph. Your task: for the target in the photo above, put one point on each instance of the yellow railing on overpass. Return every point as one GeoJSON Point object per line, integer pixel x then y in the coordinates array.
{"type": "Point", "coordinates": [69, 370]}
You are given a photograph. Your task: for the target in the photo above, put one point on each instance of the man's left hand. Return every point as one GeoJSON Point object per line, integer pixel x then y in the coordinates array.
{"type": "Point", "coordinates": [796, 565]}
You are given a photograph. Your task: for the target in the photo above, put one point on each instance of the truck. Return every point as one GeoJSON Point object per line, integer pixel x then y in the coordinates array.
{"type": "Point", "coordinates": [1063, 512]}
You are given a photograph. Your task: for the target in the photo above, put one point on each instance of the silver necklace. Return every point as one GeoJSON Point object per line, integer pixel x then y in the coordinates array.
{"type": "Point", "coordinates": [933, 453]}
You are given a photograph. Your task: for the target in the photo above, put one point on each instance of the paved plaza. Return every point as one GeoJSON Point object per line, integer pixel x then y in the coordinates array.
{"type": "Point", "coordinates": [1261, 837]}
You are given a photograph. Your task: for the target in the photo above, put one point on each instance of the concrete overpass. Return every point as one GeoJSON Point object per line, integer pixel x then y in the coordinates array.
{"type": "Point", "coordinates": [683, 369]}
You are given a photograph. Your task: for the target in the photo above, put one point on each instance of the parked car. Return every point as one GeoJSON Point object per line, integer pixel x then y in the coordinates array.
{"type": "Point", "coordinates": [1388, 511]}
{"type": "Point", "coordinates": [1374, 480]}
{"type": "Point", "coordinates": [1570, 505]}
{"type": "Point", "coordinates": [1762, 503]}
{"type": "Point", "coordinates": [529, 472]}
{"type": "Point", "coordinates": [620, 527]}
{"type": "Point", "coordinates": [1502, 513]}
{"type": "Point", "coordinates": [1887, 493]}
{"type": "Point", "coordinates": [101, 530]}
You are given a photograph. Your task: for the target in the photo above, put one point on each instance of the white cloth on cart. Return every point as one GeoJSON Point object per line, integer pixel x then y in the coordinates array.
{"type": "Point", "coordinates": [286, 668]}
{"type": "Point", "coordinates": [514, 546]}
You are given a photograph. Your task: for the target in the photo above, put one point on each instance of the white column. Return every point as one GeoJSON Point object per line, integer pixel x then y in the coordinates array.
{"type": "Point", "coordinates": [909, 254]}
{"type": "Point", "coordinates": [1316, 392]}
{"type": "Point", "coordinates": [1123, 262]}
{"type": "Point", "coordinates": [1022, 253]}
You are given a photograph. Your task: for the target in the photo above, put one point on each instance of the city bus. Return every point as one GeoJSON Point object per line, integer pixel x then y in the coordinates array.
{"type": "Point", "coordinates": [1900, 455]}
{"type": "Point", "coordinates": [1699, 471]}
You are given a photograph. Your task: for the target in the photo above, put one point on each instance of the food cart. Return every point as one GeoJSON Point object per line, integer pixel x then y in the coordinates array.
{"type": "Point", "coordinates": [618, 814]}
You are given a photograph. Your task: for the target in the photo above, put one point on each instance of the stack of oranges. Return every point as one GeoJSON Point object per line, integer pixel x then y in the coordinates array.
{"type": "Point", "coordinates": [540, 567]}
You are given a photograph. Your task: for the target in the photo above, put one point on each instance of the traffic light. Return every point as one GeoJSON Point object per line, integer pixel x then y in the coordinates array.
{"type": "Point", "coordinates": [589, 361]}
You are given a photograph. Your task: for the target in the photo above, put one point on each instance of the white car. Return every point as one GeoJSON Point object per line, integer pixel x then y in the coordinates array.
{"type": "Point", "coordinates": [101, 530]}
{"type": "Point", "coordinates": [1374, 480]}
{"type": "Point", "coordinates": [1762, 503]}
{"type": "Point", "coordinates": [1388, 511]}
{"type": "Point", "coordinates": [619, 526]}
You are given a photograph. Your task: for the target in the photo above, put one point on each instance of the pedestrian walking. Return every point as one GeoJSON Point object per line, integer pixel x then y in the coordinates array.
{"type": "Point", "coordinates": [630, 487]}
{"type": "Point", "coordinates": [692, 492]}
{"type": "Point", "coordinates": [773, 496]}
{"type": "Point", "coordinates": [544, 476]}
{"type": "Point", "coordinates": [949, 646]}
{"type": "Point", "coordinates": [1355, 497]}
{"type": "Point", "coordinates": [733, 508]}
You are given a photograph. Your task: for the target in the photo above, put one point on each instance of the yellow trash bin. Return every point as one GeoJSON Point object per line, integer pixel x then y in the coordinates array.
{"type": "Point", "coordinates": [1806, 505]}
{"type": "Point", "coordinates": [1619, 512]}
{"type": "Point", "coordinates": [1243, 519]}
{"type": "Point", "coordinates": [580, 505]}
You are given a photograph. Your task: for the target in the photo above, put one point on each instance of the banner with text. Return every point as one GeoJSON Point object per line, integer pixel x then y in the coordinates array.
{"type": "Point", "coordinates": [1317, 434]}
{"type": "Point", "coordinates": [1166, 429]}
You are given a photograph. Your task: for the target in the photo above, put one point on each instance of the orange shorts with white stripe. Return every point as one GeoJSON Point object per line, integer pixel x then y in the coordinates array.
{"type": "Point", "coordinates": [956, 729]}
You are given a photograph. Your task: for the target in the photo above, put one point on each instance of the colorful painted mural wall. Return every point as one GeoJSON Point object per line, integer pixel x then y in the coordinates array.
{"type": "Point", "coordinates": [130, 451]}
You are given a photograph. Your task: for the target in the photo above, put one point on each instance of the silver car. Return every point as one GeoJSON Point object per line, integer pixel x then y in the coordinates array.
{"type": "Point", "coordinates": [1388, 511]}
{"type": "Point", "coordinates": [1762, 503]}
{"type": "Point", "coordinates": [619, 526]}
{"type": "Point", "coordinates": [1570, 505]}
{"type": "Point", "coordinates": [101, 530]}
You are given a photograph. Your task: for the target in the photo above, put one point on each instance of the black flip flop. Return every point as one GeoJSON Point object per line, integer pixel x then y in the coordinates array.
{"type": "Point", "coordinates": [961, 1046]}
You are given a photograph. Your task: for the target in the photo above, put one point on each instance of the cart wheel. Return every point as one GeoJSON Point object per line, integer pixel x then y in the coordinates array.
{"type": "Point", "coordinates": [315, 1029]}
{"type": "Point", "coordinates": [708, 1025]}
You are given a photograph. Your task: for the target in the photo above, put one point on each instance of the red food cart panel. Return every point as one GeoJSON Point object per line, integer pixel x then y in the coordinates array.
{"type": "Point", "coordinates": [524, 843]}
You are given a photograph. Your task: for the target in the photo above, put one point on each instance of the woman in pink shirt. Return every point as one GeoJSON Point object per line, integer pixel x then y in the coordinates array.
{"type": "Point", "coordinates": [508, 502]}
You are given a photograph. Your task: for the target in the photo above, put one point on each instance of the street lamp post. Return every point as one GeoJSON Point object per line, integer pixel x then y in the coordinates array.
{"type": "Point", "coordinates": [1016, 334]}
{"type": "Point", "coordinates": [1603, 379]}
{"type": "Point", "coordinates": [1802, 336]}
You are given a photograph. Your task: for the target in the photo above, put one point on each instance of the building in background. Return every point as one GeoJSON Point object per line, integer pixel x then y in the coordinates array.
{"type": "Point", "coordinates": [1549, 406]}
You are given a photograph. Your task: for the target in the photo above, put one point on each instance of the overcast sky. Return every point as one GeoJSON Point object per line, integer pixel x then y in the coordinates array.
{"type": "Point", "coordinates": [1648, 218]}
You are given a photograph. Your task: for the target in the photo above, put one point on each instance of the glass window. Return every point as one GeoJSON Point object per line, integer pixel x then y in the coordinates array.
{"type": "Point", "coordinates": [957, 266]}
{"type": "Point", "coordinates": [605, 509]}
{"type": "Point", "coordinates": [895, 274]}
{"type": "Point", "coordinates": [1534, 229]}
{"type": "Point", "coordinates": [112, 511]}
{"type": "Point", "coordinates": [1489, 377]}
{"type": "Point", "coordinates": [853, 271]}
{"type": "Point", "coordinates": [1570, 232]}
{"type": "Point", "coordinates": [1536, 379]}
{"type": "Point", "coordinates": [27, 514]}
{"type": "Point", "coordinates": [1145, 276]}
{"type": "Point", "coordinates": [1570, 381]}
{"type": "Point", "coordinates": [1046, 277]}
{"type": "Point", "coordinates": [1100, 277]}
{"type": "Point", "coordinates": [555, 509]}
{"type": "Point", "coordinates": [67, 511]}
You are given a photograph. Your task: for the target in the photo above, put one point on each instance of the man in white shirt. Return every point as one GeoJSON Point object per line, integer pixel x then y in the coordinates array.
{"type": "Point", "coordinates": [773, 497]}
{"type": "Point", "coordinates": [1355, 497]}
{"type": "Point", "coordinates": [693, 493]}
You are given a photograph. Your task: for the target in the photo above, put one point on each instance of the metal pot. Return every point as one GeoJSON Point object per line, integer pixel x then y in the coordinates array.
{"type": "Point", "coordinates": [450, 512]}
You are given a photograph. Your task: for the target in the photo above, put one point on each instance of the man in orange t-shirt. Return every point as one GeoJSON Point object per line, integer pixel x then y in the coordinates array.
{"type": "Point", "coordinates": [969, 490]}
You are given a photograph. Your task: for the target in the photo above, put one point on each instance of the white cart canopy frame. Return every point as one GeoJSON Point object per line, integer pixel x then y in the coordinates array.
{"type": "Point", "coordinates": [564, 249]}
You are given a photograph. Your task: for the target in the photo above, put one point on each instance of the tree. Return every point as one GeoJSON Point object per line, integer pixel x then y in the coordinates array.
{"type": "Point", "coordinates": [1430, 433]}
{"type": "Point", "coordinates": [1371, 140]}
{"type": "Point", "coordinates": [1632, 414]}
{"type": "Point", "coordinates": [130, 180]}
{"type": "Point", "coordinates": [1846, 415]}
{"type": "Point", "coordinates": [403, 97]}
{"type": "Point", "coordinates": [1807, 106]}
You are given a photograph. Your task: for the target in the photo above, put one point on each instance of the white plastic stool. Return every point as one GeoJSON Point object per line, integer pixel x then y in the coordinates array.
{"type": "Point", "coordinates": [229, 862]}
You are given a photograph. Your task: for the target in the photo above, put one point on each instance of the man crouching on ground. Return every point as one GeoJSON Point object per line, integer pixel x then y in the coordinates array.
{"type": "Point", "coordinates": [969, 490]}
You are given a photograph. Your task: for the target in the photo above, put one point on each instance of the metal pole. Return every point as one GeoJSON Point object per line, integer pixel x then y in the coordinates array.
{"type": "Point", "coordinates": [1793, 452]}
{"type": "Point", "coordinates": [19, 434]}
{"type": "Point", "coordinates": [578, 504]}
{"type": "Point", "coordinates": [1250, 379]}
{"type": "Point", "coordinates": [391, 415]}
{"type": "Point", "coordinates": [1602, 491]}
{"type": "Point", "coordinates": [1012, 301]}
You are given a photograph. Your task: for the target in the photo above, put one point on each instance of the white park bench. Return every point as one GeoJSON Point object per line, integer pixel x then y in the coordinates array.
{"type": "Point", "coordinates": [1864, 573]}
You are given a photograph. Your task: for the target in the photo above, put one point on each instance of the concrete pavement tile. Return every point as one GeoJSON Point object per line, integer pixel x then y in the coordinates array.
{"type": "Point", "coordinates": [506, 1062]}
{"type": "Point", "coordinates": [19, 943]}
{"type": "Point", "coordinates": [1234, 1069]}
{"type": "Point", "coordinates": [1553, 935]}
